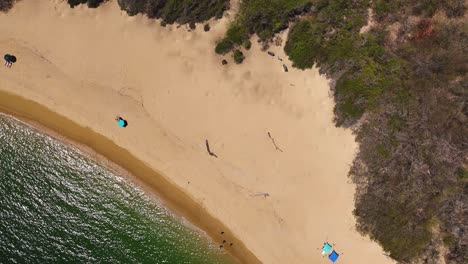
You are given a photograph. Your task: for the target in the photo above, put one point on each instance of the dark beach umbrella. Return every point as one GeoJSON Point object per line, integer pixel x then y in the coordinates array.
{"type": "Point", "coordinates": [13, 59]}
{"type": "Point", "coordinates": [7, 57]}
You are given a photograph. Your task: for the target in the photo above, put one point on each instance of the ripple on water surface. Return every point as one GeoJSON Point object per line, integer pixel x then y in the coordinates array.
{"type": "Point", "coordinates": [58, 206]}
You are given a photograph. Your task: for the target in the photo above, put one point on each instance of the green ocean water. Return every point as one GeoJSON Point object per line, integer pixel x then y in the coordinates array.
{"type": "Point", "coordinates": [58, 206]}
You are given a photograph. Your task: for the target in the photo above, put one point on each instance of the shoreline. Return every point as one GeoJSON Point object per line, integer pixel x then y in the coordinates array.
{"type": "Point", "coordinates": [115, 158]}
{"type": "Point", "coordinates": [170, 86]}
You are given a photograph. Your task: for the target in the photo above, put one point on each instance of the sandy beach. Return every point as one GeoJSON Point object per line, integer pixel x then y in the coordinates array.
{"type": "Point", "coordinates": [79, 68]}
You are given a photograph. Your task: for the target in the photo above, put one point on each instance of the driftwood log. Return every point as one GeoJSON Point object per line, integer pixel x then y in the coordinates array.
{"type": "Point", "coordinates": [209, 150]}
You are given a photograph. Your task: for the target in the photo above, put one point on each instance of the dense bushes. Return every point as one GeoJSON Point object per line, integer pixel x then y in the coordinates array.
{"type": "Point", "coordinates": [303, 44]}
{"type": "Point", "coordinates": [397, 10]}
{"type": "Point", "coordinates": [6, 5]}
{"type": "Point", "coordinates": [235, 36]}
{"type": "Point", "coordinates": [410, 170]}
{"type": "Point", "coordinates": [90, 3]}
{"type": "Point", "coordinates": [171, 11]}
{"type": "Point", "coordinates": [407, 170]}
{"type": "Point", "coordinates": [267, 17]}
{"type": "Point", "coordinates": [410, 98]}
{"type": "Point", "coordinates": [261, 17]}
{"type": "Point", "coordinates": [331, 39]}
{"type": "Point", "coordinates": [437, 115]}
{"type": "Point", "coordinates": [412, 151]}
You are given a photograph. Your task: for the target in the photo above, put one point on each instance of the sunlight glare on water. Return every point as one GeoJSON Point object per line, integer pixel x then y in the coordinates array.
{"type": "Point", "coordinates": [58, 206]}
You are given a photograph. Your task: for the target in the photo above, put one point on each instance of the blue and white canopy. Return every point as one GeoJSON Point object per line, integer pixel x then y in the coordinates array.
{"type": "Point", "coordinates": [326, 248]}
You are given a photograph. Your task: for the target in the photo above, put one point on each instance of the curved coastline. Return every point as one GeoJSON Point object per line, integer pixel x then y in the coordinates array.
{"type": "Point", "coordinates": [120, 160]}
{"type": "Point", "coordinates": [176, 94]}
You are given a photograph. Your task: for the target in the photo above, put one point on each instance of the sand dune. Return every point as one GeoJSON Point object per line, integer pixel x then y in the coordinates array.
{"type": "Point", "coordinates": [91, 65]}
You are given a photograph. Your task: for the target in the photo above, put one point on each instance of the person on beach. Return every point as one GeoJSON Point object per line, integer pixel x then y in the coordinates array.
{"type": "Point", "coordinates": [8, 60]}
{"type": "Point", "coordinates": [121, 122]}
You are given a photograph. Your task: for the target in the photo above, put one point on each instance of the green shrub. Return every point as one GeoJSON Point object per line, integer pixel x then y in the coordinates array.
{"type": "Point", "coordinates": [303, 45]}
{"type": "Point", "coordinates": [267, 17]}
{"type": "Point", "coordinates": [238, 56]}
{"type": "Point", "coordinates": [462, 174]}
{"type": "Point", "coordinates": [350, 102]}
{"type": "Point", "coordinates": [247, 44]}
{"type": "Point", "coordinates": [449, 240]}
{"type": "Point", "coordinates": [395, 226]}
{"type": "Point", "coordinates": [264, 18]}
{"type": "Point", "coordinates": [236, 34]}
{"type": "Point", "coordinates": [223, 46]}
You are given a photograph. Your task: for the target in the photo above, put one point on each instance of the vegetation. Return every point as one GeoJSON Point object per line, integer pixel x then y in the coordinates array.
{"type": "Point", "coordinates": [402, 87]}
{"type": "Point", "coordinates": [262, 17]}
{"type": "Point", "coordinates": [410, 168]}
{"type": "Point", "coordinates": [235, 36]}
{"type": "Point", "coordinates": [238, 56]}
{"type": "Point", "coordinates": [267, 17]}
{"type": "Point", "coordinates": [171, 11]}
{"type": "Point", "coordinates": [424, 138]}
{"type": "Point", "coordinates": [90, 3]}
{"type": "Point", "coordinates": [223, 46]}
{"type": "Point", "coordinates": [331, 39]}
{"type": "Point", "coordinates": [247, 44]}
{"type": "Point", "coordinates": [393, 10]}
{"type": "Point", "coordinates": [6, 5]}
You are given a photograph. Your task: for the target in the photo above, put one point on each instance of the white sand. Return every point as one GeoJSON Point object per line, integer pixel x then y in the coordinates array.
{"type": "Point", "coordinates": [93, 64]}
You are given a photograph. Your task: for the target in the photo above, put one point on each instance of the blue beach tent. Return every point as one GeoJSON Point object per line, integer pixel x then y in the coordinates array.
{"type": "Point", "coordinates": [326, 248]}
{"type": "Point", "coordinates": [333, 256]}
